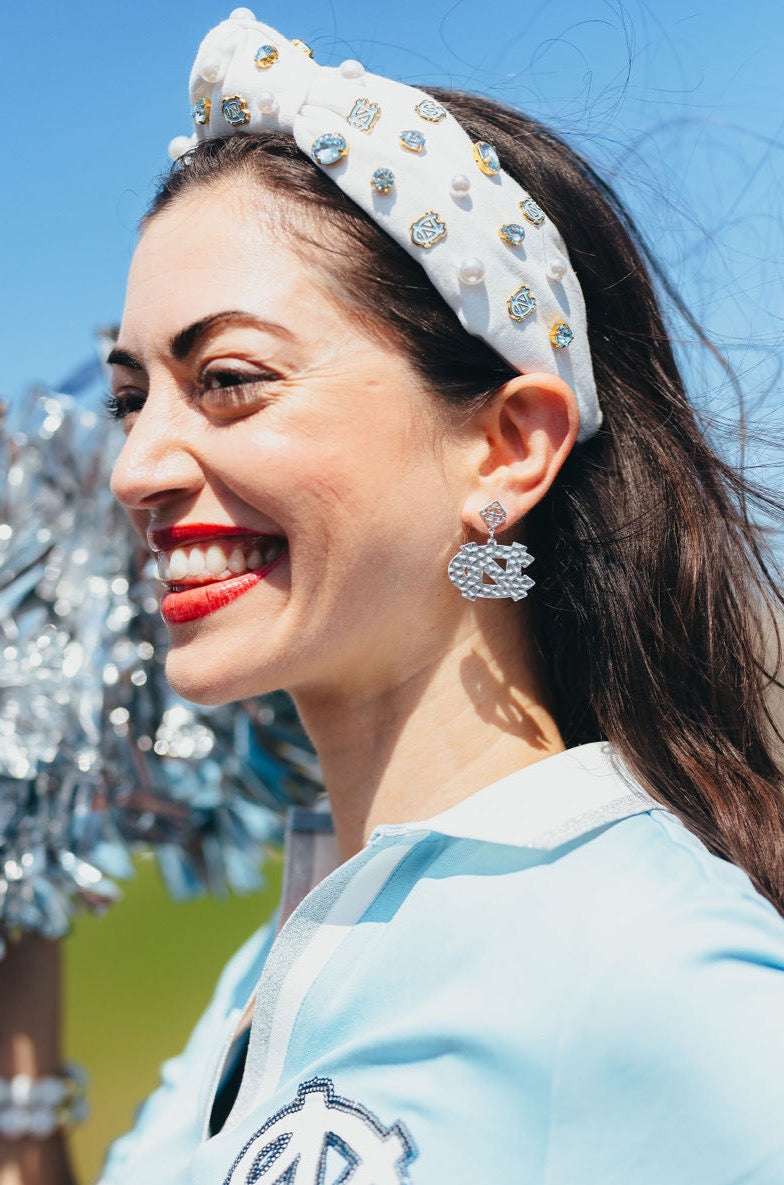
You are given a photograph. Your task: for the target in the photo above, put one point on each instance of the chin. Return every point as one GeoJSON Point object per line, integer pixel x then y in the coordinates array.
{"type": "Point", "coordinates": [210, 685]}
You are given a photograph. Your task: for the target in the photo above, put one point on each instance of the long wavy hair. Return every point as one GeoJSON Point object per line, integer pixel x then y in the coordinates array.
{"type": "Point", "coordinates": [657, 603]}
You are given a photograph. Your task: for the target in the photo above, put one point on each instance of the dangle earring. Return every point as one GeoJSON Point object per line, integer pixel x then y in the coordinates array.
{"type": "Point", "coordinates": [474, 562]}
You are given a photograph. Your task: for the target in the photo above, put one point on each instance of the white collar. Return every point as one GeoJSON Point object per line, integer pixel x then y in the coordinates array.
{"type": "Point", "coordinates": [543, 805]}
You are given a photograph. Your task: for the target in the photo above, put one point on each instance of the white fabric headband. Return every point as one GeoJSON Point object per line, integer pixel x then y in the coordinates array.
{"type": "Point", "coordinates": [484, 242]}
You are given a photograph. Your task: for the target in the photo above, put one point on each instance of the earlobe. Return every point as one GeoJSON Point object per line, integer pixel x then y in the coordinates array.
{"type": "Point", "coordinates": [523, 436]}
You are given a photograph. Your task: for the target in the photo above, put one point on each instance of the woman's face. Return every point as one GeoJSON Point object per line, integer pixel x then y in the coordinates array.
{"type": "Point", "coordinates": [294, 474]}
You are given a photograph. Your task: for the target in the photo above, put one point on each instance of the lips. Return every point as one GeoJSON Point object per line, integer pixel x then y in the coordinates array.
{"type": "Point", "coordinates": [166, 538]}
{"type": "Point", "coordinates": [207, 566]}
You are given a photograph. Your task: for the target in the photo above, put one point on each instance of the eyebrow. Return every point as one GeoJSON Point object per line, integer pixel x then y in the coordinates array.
{"type": "Point", "coordinates": [120, 357]}
{"type": "Point", "coordinates": [183, 343]}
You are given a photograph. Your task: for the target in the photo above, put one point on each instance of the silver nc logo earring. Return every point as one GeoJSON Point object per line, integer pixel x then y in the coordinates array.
{"type": "Point", "coordinates": [492, 570]}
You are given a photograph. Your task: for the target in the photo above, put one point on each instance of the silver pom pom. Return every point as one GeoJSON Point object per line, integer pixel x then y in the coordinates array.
{"type": "Point", "coordinates": [97, 754]}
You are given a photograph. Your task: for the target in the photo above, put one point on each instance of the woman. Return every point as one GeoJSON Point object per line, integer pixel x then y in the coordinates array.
{"type": "Point", "coordinates": [549, 950]}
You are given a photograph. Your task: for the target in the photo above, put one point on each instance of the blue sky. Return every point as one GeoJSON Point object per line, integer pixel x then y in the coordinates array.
{"type": "Point", "coordinates": [681, 105]}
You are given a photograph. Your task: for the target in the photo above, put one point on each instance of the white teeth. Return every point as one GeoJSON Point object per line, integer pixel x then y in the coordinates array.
{"type": "Point", "coordinates": [236, 561]}
{"type": "Point", "coordinates": [178, 565]}
{"type": "Point", "coordinates": [202, 563]}
{"type": "Point", "coordinates": [196, 562]}
{"type": "Point", "coordinates": [215, 560]}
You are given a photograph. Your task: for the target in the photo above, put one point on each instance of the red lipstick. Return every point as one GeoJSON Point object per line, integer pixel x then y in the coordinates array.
{"type": "Point", "coordinates": [166, 538]}
{"type": "Point", "coordinates": [196, 597]}
{"type": "Point", "coordinates": [190, 604]}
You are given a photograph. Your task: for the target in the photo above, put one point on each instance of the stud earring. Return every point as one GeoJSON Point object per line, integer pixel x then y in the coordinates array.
{"type": "Point", "coordinates": [476, 572]}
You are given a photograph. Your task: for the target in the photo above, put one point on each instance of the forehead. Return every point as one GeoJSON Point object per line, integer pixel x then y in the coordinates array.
{"type": "Point", "coordinates": [216, 249]}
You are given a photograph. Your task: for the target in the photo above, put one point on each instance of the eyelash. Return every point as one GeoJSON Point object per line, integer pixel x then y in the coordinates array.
{"type": "Point", "coordinates": [228, 395]}
{"type": "Point", "coordinates": [118, 409]}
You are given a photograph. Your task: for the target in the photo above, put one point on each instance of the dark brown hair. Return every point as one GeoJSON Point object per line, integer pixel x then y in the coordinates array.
{"type": "Point", "coordinates": [655, 593]}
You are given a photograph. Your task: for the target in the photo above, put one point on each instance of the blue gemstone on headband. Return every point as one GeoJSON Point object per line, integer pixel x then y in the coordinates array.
{"type": "Point", "coordinates": [201, 111]}
{"type": "Point", "coordinates": [487, 158]}
{"type": "Point", "coordinates": [532, 211]}
{"type": "Point", "coordinates": [521, 304]}
{"type": "Point", "coordinates": [512, 233]}
{"type": "Point", "coordinates": [329, 148]}
{"type": "Point", "coordinates": [266, 56]}
{"type": "Point", "coordinates": [413, 141]}
{"type": "Point", "coordinates": [382, 180]}
{"type": "Point", "coordinates": [561, 335]}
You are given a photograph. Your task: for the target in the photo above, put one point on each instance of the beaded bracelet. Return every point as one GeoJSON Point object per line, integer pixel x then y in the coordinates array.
{"type": "Point", "coordinates": [35, 1108]}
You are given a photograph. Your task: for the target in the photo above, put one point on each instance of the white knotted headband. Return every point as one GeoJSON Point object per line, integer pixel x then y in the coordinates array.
{"type": "Point", "coordinates": [484, 242]}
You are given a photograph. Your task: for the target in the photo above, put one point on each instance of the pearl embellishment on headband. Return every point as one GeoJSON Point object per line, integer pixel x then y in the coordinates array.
{"type": "Point", "coordinates": [459, 186]}
{"type": "Point", "coordinates": [556, 270]}
{"type": "Point", "coordinates": [471, 271]}
{"type": "Point", "coordinates": [213, 70]}
{"type": "Point", "coordinates": [267, 103]}
{"type": "Point", "coordinates": [352, 69]}
{"type": "Point", "coordinates": [180, 145]}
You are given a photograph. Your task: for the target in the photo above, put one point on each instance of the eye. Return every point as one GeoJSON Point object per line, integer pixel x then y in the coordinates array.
{"type": "Point", "coordinates": [124, 403]}
{"type": "Point", "coordinates": [225, 388]}
{"type": "Point", "coordinates": [221, 378]}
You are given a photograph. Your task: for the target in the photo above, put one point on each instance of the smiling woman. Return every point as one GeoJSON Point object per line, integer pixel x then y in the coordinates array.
{"type": "Point", "coordinates": [310, 437]}
{"type": "Point", "coordinates": [365, 326]}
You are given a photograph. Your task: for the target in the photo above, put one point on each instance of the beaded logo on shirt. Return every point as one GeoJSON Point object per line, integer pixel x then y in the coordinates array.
{"type": "Point", "coordinates": [321, 1130]}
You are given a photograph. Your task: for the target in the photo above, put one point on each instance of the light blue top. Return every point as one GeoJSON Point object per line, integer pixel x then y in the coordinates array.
{"type": "Point", "coordinates": [553, 983]}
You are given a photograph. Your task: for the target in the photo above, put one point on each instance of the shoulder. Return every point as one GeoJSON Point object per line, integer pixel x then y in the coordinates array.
{"type": "Point", "coordinates": [677, 1023]}
{"type": "Point", "coordinates": [642, 881]}
{"type": "Point", "coordinates": [525, 873]}
{"type": "Point", "coordinates": [650, 870]}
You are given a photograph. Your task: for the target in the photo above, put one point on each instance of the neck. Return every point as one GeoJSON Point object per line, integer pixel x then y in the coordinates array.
{"type": "Point", "coordinates": [426, 741]}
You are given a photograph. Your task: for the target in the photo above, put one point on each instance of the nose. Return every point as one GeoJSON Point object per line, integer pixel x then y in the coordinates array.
{"type": "Point", "coordinates": [158, 462]}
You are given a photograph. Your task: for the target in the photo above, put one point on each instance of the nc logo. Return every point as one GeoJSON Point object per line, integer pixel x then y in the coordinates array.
{"type": "Point", "coordinates": [467, 570]}
{"type": "Point", "coordinates": [323, 1139]}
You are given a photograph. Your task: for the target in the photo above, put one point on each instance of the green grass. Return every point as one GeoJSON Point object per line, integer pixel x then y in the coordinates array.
{"type": "Point", "coordinates": [136, 981]}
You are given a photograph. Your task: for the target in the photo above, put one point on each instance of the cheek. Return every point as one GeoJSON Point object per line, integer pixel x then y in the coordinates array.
{"type": "Point", "coordinates": [341, 467]}
{"type": "Point", "coordinates": [362, 493]}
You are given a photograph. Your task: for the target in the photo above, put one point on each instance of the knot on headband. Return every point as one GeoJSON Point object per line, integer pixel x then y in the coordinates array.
{"type": "Point", "coordinates": [486, 244]}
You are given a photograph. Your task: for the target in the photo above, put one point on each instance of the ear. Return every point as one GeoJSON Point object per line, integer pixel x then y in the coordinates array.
{"type": "Point", "coordinates": [519, 441]}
